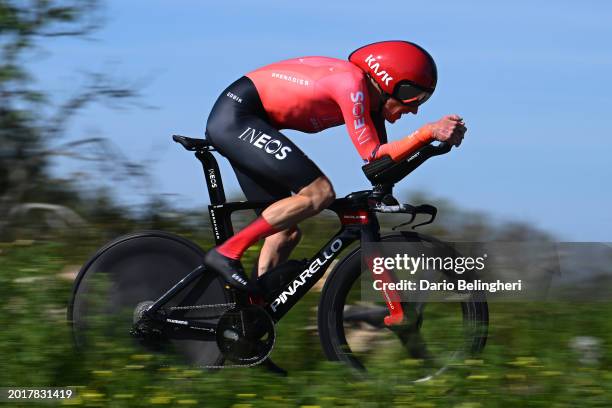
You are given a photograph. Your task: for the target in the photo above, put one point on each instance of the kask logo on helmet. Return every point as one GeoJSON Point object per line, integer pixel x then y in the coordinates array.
{"type": "Point", "coordinates": [265, 142]}
{"type": "Point", "coordinates": [392, 62]}
{"type": "Point", "coordinates": [374, 66]}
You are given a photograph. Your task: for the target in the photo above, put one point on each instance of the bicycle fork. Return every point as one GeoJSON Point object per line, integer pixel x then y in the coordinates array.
{"type": "Point", "coordinates": [370, 233]}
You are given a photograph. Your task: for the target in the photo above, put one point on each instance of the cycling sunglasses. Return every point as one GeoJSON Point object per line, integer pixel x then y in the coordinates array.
{"type": "Point", "coordinates": [410, 94]}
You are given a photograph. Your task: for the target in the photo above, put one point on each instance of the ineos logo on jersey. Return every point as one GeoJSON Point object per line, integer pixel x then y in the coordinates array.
{"type": "Point", "coordinates": [260, 140]}
{"type": "Point", "coordinates": [374, 66]}
{"type": "Point", "coordinates": [358, 112]}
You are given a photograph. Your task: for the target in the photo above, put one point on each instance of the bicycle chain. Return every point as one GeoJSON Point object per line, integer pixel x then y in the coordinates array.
{"type": "Point", "coordinates": [227, 305]}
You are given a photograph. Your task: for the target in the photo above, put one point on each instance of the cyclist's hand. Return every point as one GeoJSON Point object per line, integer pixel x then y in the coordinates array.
{"type": "Point", "coordinates": [449, 129]}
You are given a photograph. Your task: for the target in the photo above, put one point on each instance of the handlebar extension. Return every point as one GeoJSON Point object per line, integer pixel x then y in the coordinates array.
{"type": "Point", "coordinates": [386, 171]}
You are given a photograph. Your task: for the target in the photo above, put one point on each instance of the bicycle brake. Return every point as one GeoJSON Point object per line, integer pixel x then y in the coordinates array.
{"type": "Point", "coordinates": [426, 209]}
{"type": "Point", "coordinates": [419, 209]}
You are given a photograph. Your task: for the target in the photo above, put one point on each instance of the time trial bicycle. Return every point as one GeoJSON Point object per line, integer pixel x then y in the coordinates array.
{"type": "Point", "coordinates": [152, 286]}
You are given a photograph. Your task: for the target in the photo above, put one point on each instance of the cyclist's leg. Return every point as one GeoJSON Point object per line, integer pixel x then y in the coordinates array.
{"type": "Point", "coordinates": [277, 247]}
{"type": "Point", "coordinates": [309, 201]}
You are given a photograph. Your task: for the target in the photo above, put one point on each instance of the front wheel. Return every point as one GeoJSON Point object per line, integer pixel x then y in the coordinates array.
{"type": "Point", "coordinates": [127, 275]}
{"type": "Point", "coordinates": [433, 335]}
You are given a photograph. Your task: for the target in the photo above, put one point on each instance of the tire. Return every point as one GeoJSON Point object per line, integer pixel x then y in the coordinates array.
{"type": "Point", "coordinates": [338, 320]}
{"type": "Point", "coordinates": [137, 268]}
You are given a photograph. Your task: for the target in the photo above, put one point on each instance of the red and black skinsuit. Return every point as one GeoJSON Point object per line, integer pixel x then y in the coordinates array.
{"type": "Point", "coordinates": [308, 94]}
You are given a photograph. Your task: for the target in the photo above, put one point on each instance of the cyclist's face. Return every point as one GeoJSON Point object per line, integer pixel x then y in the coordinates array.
{"type": "Point", "coordinates": [394, 109]}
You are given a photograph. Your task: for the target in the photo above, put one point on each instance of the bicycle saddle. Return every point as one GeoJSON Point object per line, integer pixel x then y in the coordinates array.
{"type": "Point", "coordinates": [190, 143]}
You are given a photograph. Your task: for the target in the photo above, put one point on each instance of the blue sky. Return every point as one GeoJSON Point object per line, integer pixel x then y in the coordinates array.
{"type": "Point", "coordinates": [531, 79]}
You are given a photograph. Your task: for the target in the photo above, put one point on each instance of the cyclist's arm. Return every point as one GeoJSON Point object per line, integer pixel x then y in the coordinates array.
{"type": "Point", "coordinates": [350, 94]}
{"type": "Point", "coordinates": [449, 129]}
{"type": "Point", "coordinates": [400, 149]}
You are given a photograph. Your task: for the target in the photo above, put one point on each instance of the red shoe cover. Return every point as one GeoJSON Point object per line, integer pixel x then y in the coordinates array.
{"type": "Point", "coordinates": [239, 243]}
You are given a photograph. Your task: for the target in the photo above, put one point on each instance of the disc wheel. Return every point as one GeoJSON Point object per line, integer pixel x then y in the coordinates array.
{"type": "Point", "coordinates": [134, 270]}
{"type": "Point", "coordinates": [432, 336]}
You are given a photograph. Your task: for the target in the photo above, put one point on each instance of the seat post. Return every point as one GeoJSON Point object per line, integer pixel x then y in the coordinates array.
{"type": "Point", "coordinates": [212, 176]}
{"type": "Point", "coordinates": [220, 218]}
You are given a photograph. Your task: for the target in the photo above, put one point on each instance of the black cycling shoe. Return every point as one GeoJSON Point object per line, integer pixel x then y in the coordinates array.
{"type": "Point", "coordinates": [231, 270]}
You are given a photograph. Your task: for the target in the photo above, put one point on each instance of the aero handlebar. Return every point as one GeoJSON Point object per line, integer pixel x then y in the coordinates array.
{"type": "Point", "coordinates": [386, 171]}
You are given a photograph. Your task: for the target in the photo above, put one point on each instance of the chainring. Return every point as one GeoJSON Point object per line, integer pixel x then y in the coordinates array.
{"type": "Point", "coordinates": [246, 334]}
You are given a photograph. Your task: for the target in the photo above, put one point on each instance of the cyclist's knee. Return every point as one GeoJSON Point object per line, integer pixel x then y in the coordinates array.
{"type": "Point", "coordinates": [326, 197]}
{"type": "Point", "coordinates": [320, 194]}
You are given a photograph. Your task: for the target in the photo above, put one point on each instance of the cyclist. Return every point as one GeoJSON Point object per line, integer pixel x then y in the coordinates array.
{"type": "Point", "coordinates": [380, 81]}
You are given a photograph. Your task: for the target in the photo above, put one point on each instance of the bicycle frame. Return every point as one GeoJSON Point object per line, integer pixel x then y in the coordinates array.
{"type": "Point", "coordinates": [358, 222]}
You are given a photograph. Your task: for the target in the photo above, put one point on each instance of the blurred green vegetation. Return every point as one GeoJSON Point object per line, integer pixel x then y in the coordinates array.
{"type": "Point", "coordinates": [528, 360]}
{"type": "Point", "coordinates": [34, 123]}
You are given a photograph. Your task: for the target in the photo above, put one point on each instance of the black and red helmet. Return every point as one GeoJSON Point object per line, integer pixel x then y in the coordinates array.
{"type": "Point", "coordinates": [402, 69]}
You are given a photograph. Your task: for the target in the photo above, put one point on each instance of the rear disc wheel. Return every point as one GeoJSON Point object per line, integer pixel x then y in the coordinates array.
{"type": "Point", "coordinates": [124, 278]}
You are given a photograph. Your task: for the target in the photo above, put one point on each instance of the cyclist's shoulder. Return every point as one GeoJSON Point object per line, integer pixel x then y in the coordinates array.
{"type": "Point", "coordinates": [318, 66]}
